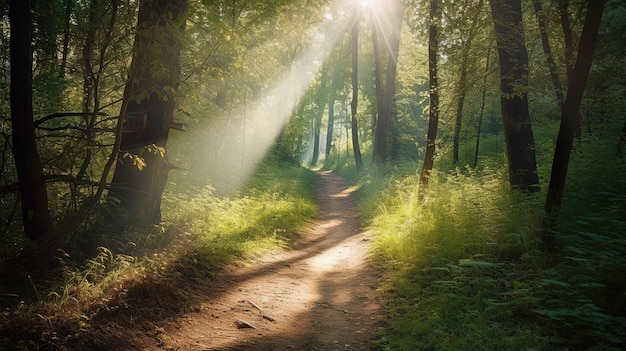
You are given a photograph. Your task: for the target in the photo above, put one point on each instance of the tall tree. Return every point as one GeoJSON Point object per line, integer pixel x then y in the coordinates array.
{"type": "Point", "coordinates": [355, 84]}
{"type": "Point", "coordinates": [433, 118]}
{"type": "Point", "coordinates": [465, 55]}
{"type": "Point", "coordinates": [142, 169]}
{"type": "Point", "coordinates": [394, 12]}
{"type": "Point", "coordinates": [513, 58]}
{"type": "Point", "coordinates": [331, 112]}
{"type": "Point", "coordinates": [33, 193]}
{"type": "Point", "coordinates": [317, 120]}
{"type": "Point", "coordinates": [569, 119]}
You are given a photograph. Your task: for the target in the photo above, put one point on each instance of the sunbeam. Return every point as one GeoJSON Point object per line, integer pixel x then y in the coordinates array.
{"type": "Point", "coordinates": [239, 144]}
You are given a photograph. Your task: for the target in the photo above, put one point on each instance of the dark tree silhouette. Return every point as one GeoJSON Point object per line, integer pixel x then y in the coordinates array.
{"type": "Point", "coordinates": [518, 133]}
{"type": "Point", "coordinates": [33, 193]}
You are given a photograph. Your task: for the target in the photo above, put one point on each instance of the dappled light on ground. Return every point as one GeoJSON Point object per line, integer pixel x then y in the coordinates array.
{"type": "Point", "coordinates": [319, 296]}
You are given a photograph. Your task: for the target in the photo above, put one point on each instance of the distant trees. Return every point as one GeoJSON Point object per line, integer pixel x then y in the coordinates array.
{"type": "Point", "coordinates": [389, 13]}
{"type": "Point", "coordinates": [385, 71]}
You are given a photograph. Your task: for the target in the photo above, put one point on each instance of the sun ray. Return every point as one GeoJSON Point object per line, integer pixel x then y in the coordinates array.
{"type": "Point", "coordinates": [263, 119]}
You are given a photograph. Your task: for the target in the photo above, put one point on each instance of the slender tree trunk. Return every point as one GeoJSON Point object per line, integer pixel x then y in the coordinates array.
{"type": "Point", "coordinates": [378, 85]}
{"type": "Point", "coordinates": [433, 118]}
{"type": "Point", "coordinates": [331, 113]}
{"type": "Point", "coordinates": [567, 130]}
{"type": "Point", "coordinates": [355, 85]}
{"type": "Point", "coordinates": [396, 13]}
{"type": "Point", "coordinates": [317, 123]}
{"type": "Point", "coordinates": [482, 108]}
{"type": "Point", "coordinates": [518, 133]}
{"type": "Point", "coordinates": [554, 76]}
{"type": "Point", "coordinates": [142, 170]}
{"type": "Point", "coordinates": [33, 193]}
{"type": "Point", "coordinates": [463, 83]}
{"type": "Point", "coordinates": [568, 38]}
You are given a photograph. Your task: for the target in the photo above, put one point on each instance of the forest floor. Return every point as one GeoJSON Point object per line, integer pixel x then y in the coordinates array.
{"type": "Point", "coordinates": [319, 295]}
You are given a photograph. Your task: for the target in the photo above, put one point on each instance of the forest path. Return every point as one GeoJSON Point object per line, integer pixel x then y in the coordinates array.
{"type": "Point", "coordinates": [321, 295]}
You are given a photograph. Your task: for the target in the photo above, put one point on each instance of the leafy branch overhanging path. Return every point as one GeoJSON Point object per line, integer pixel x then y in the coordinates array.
{"type": "Point", "coordinates": [319, 296]}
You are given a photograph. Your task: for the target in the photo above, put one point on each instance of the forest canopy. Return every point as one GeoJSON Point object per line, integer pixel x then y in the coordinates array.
{"type": "Point", "coordinates": [115, 112]}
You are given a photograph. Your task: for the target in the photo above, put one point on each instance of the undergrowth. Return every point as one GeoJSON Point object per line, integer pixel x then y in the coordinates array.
{"type": "Point", "coordinates": [464, 269]}
{"type": "Point", "coordinates": [154, 273]}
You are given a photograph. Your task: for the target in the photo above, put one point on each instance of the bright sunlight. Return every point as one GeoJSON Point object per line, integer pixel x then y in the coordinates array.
{"type": "Point", "coordinates": [237, 147]}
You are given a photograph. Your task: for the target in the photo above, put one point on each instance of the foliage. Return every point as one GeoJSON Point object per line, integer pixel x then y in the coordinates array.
{"type": "Point", "coordinates": [464, 270]}
{"type": "Point", "coordinates": [201, 233]}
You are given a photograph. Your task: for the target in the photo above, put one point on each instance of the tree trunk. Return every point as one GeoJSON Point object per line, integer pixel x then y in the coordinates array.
{"type": "Point", "coordinates": [317, 122]}
{"type": "Point", "coordinates": [569, 116]}
{"type": "Point", "coordinates": [378, 85]}
{"type": "Point", "coordinates": [142, 169]}
{"type": "Point", "coordinates": [355, 85]}
{"type": "Point", "coordinates": [482, 108]}
{"type": "Point", "coordinates": [331, 113]}
{"type": "Point", "coordinates": [554, 76]}
{"type": "Point", "coordinates": [568, 38]}
{"type": "Point", "coordinates": [433, 118]}
{"type": "Point", "coordinates": [396, 13]}
{"type": "Point", "coordinates": [518, 133]}
{"type": "Point", "coordinates": [463, 83]}
{"type": "Point", "coordinates": [33, 193]}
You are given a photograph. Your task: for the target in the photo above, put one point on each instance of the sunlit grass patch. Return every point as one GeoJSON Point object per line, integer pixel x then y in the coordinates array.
{"type": "Point", "coordinates": [464, 270]}
{"type": "Point", "coordinates": [156, 275]}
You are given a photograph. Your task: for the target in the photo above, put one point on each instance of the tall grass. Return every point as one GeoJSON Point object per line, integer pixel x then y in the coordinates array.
{"type": "Point", "coordinates": [464, 271]}
{"type": "Point", "coordinates": [201, 232]}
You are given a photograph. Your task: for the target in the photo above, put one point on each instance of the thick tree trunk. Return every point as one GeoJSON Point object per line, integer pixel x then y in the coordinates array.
{"type": "Point", "coordinates": [569, 117]}
{"type": "Point", "coordinates": [518, 133]}
{"type": "Point", "coordinates": [355, 85]}
{"type": "Point", "coordinates": [396, 13]}
{"type": "Point", "coordinates": [433, 118]}
{"type": "Point", "coordinates": [142, 169]}
{"type": "Point", "coordinates": [33, 193]}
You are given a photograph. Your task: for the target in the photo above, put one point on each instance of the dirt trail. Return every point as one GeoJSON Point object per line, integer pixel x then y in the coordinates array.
{"type": "Point", "coordinates": [318, 296]}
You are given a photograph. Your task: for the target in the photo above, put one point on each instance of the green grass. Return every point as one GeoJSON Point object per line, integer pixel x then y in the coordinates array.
{"type": "Point", "coordinates": [161, 267]}
{"type": "Point", "coordinates": [463, 268]}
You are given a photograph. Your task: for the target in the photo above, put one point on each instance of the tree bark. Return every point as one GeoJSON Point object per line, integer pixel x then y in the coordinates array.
{"type": "Point", "coordinates": [433, 118]}
{"type": "Point", "coordinates": [33, 193]}
{"type": "Point", "coordinates": [331, 113]}
{"type": "Point", "coordinates": [482, 107]}
{"type": "Point", "coordinates": [355, 85]}
{"type": "Point", "coordinates": [518, 133]}
{"type": "Point", "coordinates": [317, 122]}
{"type": "Point", "coordinates": [155, 75]}
{"type": "Point", "coordinates": [569, 117]}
